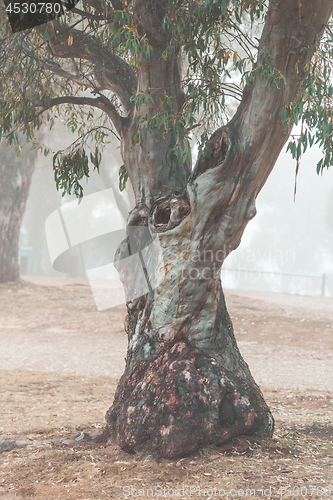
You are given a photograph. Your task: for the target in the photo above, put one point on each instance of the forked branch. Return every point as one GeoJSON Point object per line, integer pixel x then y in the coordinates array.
{"type": "Point", "coordinates": [110, 71]}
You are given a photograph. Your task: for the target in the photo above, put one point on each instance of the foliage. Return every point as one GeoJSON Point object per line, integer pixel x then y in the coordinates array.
{"type": "Point", "coordinates": [123, 176]}
{"type": "Point", "coordinates": [70, 168]}
{"type": "Point", "coordinates": [313, 107]}
{"type": "Point", "coordinates": [219, 44]}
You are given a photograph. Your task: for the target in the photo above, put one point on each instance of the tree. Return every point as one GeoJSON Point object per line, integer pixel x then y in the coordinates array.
{"type": "Point", "coordinates": [159, 71]}
{"type": "Point", "coordinates": [15, 178]}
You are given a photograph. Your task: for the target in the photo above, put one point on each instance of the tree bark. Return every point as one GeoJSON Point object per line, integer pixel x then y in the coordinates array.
{"type": "Point", "coordinates": [15, 178]}
{"type": "Point", "coordinates": [185, 383]}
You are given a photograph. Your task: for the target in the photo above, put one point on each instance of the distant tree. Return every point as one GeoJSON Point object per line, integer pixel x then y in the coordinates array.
{"type": "Point", "coordinates": [15, 178]}
{"type": "Point", "coordinates": [160, 71]}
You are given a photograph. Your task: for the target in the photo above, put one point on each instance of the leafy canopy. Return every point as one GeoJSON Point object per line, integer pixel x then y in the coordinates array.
{"type": "Point", "coordinates": [67, 68]}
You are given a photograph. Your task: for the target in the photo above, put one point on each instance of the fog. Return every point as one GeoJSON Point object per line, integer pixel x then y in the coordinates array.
{"type": "Point", "coordinates": [287, 236]}
{"type": "Point", "coordinates": [286, 248]}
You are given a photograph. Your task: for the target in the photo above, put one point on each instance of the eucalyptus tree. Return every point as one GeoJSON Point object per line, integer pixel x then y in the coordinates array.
{"type": "Point", "coordinates": [235, 75]}
{"type": "Point", "coordinates": [16, 169]}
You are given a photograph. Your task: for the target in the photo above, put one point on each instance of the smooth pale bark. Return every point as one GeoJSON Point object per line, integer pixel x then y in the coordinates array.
{"type": "Point", "coordinates": [15, 178]}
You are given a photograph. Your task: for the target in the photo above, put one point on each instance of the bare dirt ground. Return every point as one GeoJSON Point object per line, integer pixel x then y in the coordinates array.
{"type": "Point", "coordinates": [60, 363]}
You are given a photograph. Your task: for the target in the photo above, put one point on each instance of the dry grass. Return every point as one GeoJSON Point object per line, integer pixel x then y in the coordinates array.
{"type": "Point", "coordinates": [40, 405]}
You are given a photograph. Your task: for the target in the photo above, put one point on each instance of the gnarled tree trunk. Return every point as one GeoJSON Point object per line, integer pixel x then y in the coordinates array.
{"type": "Point", "coordinates": [185, 382]}
{"type": "Point", "coordinates": [15, 178]}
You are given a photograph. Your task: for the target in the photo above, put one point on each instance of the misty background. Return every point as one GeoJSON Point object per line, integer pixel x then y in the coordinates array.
{"type": "Point", "coordinates": [286, 248]}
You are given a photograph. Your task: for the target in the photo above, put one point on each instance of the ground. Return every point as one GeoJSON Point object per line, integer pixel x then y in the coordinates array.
{"type": "Point", "coordinates": [60, 363]}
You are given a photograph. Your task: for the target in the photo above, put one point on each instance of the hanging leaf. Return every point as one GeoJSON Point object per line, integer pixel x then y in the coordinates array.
{"type": "Point", "coordinates": [69, 170]}
{"type": "Point", "coordinates": [123, 176]}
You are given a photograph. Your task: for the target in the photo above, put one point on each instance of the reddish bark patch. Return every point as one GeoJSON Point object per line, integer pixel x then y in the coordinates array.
{"type": "Point", "coordinates": [180, 401]}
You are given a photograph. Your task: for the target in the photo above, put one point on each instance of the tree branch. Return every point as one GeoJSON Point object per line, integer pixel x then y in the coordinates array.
{"type": "Point", "coordinates": [150, 14]}
{"type": "Point", "coordinates": [81, 80]}
{"type": "Point", "coordinates": [118, 4]}
{"type": "Point", "coordinates": [87, 15]}
{"type": "Point", "coordinates": [95, 4]}
{"type": "Point", "coordinates": [100, 102]}
{"type": "Point", "coordinates": [111, 72]}
{"type": "Point", "coordinates": [242, 154]}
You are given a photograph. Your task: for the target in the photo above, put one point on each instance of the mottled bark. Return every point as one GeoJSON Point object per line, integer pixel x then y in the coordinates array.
{"type": "Point", "coordinates": [186, 383]}
{"type": "Point", "coordinates": [15, 178]}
